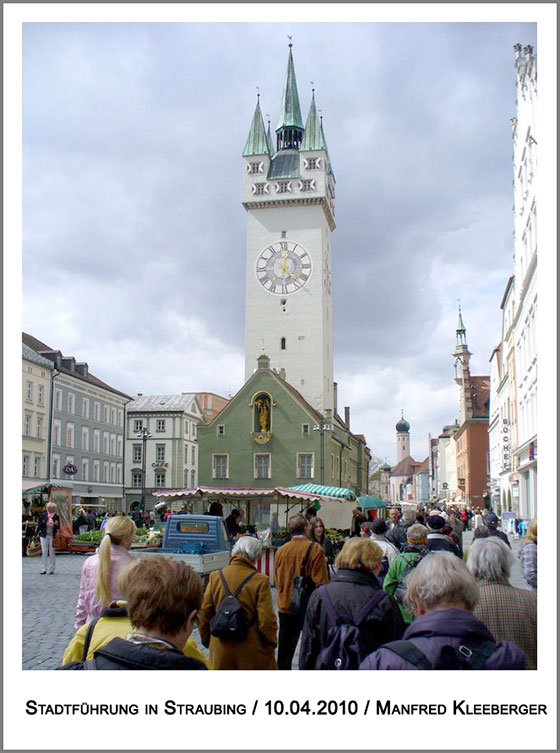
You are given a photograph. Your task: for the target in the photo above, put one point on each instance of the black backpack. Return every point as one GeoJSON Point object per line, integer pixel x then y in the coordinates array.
{"type": "Point", "coordinates": [230, 623]}
{"type": "Point", "coordinates": [400, 591]}
{"type": "Point", "coordinates": [472, 653]}
{"type": "Point", "coordinates": [343, 648]}
{"type": "Point", "coordinates": [303, 587]}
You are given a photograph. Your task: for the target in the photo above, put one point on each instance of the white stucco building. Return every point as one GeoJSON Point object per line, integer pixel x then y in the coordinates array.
{"type": "Point", "coordinates": [525, 140]}
{"type": "Point", "coordinates": [168, 456]}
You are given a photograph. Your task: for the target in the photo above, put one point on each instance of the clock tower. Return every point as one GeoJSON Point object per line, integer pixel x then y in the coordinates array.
{"type": "Point", "coordinates": [288, 193]}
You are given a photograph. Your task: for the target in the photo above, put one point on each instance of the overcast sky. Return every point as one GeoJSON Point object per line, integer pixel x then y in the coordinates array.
{"type": "Point", "coordinates": [134, 233]}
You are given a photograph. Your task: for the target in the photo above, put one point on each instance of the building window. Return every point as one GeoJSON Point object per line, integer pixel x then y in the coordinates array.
{"type": "Point", "coordinates": [113, 416]}
{"type": "Point", "coordinates": [97, 411]}
{"type": "Point", "coordinates": [56, 466]}
{"type": "Point", "coordinates": [137, 479]}
{"type": "Point", "coordinates": [305, 465]}
{"type": "Point", "coordinates": [40, 426]}
{"type": "Point", "coordinates": [113, 473]}
{"type": "Point", "coordinates": [262, 465]}
{"type": "Point", "coordinates": [221, 430]}
{"type": "Point", "coordinates": [106, 472]}
{"type": "Point", "coordinates": [160, 452]}
{"type": "Point", "coordinates": [138, 425]}
{"type": "Point", "coordinates": [85, 438]}
{"type": "Point", "coordinates": [120, 416]}
{"type": "Point", "coordinates": [96, 440]}
{"type": "Point", "coordinates": [186, 428]}
{"type": "Point", "coordinates": [37, 467]}
{"type": "Point", "coordinates": [307, 185]}
{"type": "Point", "coordinates": [193, 484]}
{"type": "Point", "coordinates": [85, 469]}
{"type": "Point", "coordinates": [105, 442]}
{"type": "Point", "coordinates": [311, 163]}
{"type": "Point", "coordinates": [106, 414]}
{"type": "Point", "coordinates": [113, 444]}
{"type": "Point", "coordinates": [85, 407]}
{"type": "Point", "coordinates": [58, 399]}
{"type": "Point", "coordinates": [96, 470]}
{"type": "Point", "coordinates": [71, 402]}
{"type": "Point", "coordinates": [40, 394]}
{"type": "Point", "coordinates": [282, 343]}
{"type": "Point", "coordinates": [25, 465]}
{"type": "Point", "coordinates": [119, 446]}
{"type": "Point", "coordinates": [193, 455]}
{"type": "Point", "coordinates": [193, 431]}
{"type": "Point", "coordinates": [27, 424]}
{"type": "Point", "coordinates": [70, 435]}
{"type": "Point", "coordinates": [119, 473]}
{"type": "Point", "coordinates": [220, 466]}
{"type": "Point", "coordinates": [283, 187]}
{"type": "Point", "coordinates": [254, 168]}
{"type": "Point", "coordinates": [57, 431]}
{"type": "Point", "coordinates": [186, 458]}
{"type": "Point", "coordinates": [258, 189]}
{"type": "Point", "coordinates": [29, 391]}
{"type": "Point", "coordinates": [160, 424]}
{"type": "Point", "coordinates": [159, 479]}
{"type": "Point", "coordinates": [185, 478]}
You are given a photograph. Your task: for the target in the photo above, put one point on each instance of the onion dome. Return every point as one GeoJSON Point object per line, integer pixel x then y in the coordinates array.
{"type": "Point", "coordinates": [403, 427]}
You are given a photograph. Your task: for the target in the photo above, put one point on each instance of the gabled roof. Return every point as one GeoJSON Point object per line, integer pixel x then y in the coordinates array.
{"type": "Point", "coordinates": [31, 355]}
{"type": "Point", "coordinates": [42, 349]}
{"type": "Point", "coordinates": [162, 403]}
{"type": "Point", "coordinates": [424, 466]}
{"type": "Point", "coordinates": [480, 396]}
{"type": "Point", "coordinates": [406, 467]}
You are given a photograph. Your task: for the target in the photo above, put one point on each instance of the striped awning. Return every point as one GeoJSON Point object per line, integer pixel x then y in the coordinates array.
{"type": "Point", "coordinates": [337, 492]}
{"type": "Point", "coordinates": [209, 492]}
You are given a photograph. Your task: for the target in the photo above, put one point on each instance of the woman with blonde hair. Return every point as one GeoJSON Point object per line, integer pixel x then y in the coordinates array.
{"type": "Point", "coordinates": [98, 583]}
{"type": "Point", "coordinates": [354, 597]}
{"type": "Point", "coordinates": [528, 556]}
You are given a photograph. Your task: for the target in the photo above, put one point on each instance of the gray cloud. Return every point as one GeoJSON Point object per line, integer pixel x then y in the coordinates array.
{"type": "Point", "coordinates": [132, 187]}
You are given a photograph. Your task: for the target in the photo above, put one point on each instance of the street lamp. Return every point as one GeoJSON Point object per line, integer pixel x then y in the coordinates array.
{"type": "Point", "coordinates": [143, 434]}
{"type": "Point", "coordinates": [322, 427]}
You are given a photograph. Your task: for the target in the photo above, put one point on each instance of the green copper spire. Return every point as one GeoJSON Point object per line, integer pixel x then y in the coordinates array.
{"type": "Point", "coordinates": [290, 123]}
{"type": "Point", "coordinates": [257, 142]}
{"type": "Point", "coordinates": [460, 325]}
{"type": "Point", "coordinates": [314, 137]}
{"type": "Point", "coordinates": [271, 148]}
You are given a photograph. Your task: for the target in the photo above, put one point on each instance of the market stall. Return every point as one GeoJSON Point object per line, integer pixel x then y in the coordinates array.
{"type": "Point", "coordinates": [34, 500]}
{"type": "Point", "coordinates": [262, 509]}
{"type": "Point", "coordinates": [371, 506]}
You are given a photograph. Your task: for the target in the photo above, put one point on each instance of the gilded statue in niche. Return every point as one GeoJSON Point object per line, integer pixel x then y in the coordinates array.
{"type": "Point", "coordinates": [262, 414]}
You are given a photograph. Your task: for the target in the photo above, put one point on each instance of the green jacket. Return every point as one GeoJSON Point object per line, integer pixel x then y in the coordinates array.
{"type": "Point", "coordinates": [394, 574]}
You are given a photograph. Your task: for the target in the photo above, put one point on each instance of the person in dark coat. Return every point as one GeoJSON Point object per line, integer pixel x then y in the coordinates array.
{"type": "Point", "coordinates": [232, 523]}
{"type": "Point", "coordinates": [358, 518]}
{"type": "Point", "coordinates": [442, 593]}
{"type": "Point", "coordinates": [354, 585]}
{"type": "Point", "coordinates": [491, 522]}
{"type": "Point", "coordinates": [47, 527]}
{"type": "Point", "coordinates": [397, 532]}
{"type": "Point", "coordinates": [319, 534]}
{"type": "Point", "coordinates": [163, 597]}
{"type": "Point", "coordinates": [438, 541]}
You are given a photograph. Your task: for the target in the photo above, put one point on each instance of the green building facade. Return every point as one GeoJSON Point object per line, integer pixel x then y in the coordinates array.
{"type": "Point", "coordinates": [269, 436]}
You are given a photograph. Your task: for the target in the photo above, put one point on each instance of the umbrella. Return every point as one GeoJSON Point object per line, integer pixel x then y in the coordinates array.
{"type": "Point", "coordinates": [371, 503]}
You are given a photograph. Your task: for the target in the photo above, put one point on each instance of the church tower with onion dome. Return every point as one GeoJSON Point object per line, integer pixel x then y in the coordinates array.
{"type": "Point", "coordinates": [288, 194]}
{"type": "Point", "coordinates": [403, 438]}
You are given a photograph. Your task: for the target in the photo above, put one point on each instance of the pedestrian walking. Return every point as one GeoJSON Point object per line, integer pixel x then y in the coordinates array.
{"type": "Point", "coordinates": [98, 582]}
{"type": "Point", "coordinates": [445, 634]}
{"type": "Point", "coordinates": [298, 558]}
{"type": "Point", "coordinates": [355, 598]}
{"type": "Point", "coordinates": [319, 534]}
{"type": "Point", "coordinates": [358, 518]}
{"type": "Point", "coordinates": [402, 565]}
{"type": "Point", "coordinates": [509, 613]}
{"type": "Point", "coordinates": [438, 541]}
{"type": "Point", "coordinates": [255, 650]}
{"type": "Point", "coordinates": [47, 526]}
{"type": "Point", "coordinates": [163, 597]}
{"type": "Point", "coordinates": [528, 555]}
{"type": "Point", "coordinates": [491, 522]}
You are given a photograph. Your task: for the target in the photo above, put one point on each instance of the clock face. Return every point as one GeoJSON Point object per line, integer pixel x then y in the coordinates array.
{"type": "Point", "coordinates": [283, 267]}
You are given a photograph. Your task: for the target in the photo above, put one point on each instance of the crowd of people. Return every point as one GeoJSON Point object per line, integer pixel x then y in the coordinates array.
{"type": "Point", "coordinates": [402, 593]}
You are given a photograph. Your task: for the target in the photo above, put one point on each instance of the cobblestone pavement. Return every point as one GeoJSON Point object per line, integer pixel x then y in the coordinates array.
{"type": "Point", "coordinates": [49, 602]}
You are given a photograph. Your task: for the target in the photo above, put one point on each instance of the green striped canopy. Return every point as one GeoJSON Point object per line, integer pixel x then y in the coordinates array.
{"type": "Point", "coordinates": [326, 491]}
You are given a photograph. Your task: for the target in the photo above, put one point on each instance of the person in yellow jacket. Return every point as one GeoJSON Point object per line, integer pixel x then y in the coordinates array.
{"type": "Point", "coordinates": [114, 622]}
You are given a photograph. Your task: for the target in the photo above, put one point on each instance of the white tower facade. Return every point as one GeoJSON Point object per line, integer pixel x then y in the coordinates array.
{"type": "Point", "coordinates": [288, 193]}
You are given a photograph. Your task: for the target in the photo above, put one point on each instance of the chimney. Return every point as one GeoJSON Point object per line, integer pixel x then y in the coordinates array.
{"type": "Point", "coordinates": [335, 397]}
{"type": "Point", "coordinates": [347, 417]}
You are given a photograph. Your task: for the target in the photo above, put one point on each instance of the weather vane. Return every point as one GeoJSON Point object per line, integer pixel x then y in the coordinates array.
{"type": "Point", "coordinates": [289, 37]}
{"type": "Point", "coordinates": [258, 92]}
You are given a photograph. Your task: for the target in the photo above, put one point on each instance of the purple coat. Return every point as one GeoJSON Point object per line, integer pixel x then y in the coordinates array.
{"type": "Point", "coordinates": [445, 627]}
